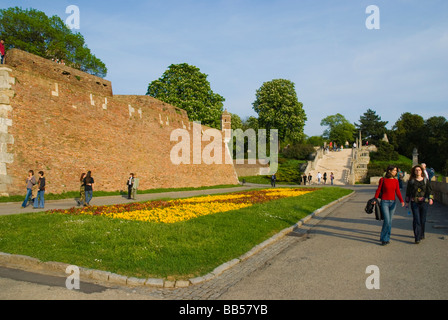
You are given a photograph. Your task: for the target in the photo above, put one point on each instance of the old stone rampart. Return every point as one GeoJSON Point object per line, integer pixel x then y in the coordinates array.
{"type": "Point", "coordinates": [64, 122]}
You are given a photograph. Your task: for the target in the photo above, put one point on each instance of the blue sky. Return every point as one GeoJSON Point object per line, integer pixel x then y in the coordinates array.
{"type": "Point", "coordinates": [323, 46]}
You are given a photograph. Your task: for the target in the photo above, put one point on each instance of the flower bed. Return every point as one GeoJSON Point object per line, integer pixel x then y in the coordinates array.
{"type": "Point", "coordinates": [172, 211]}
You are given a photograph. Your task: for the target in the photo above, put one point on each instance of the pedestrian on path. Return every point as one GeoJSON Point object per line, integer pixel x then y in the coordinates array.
{"type": "Point", "coordinates": [88, 182]}
{"type": "Point", "coordinates": [39, 201]}
{"type": "Point", "coordinates": [419, 196]}
{"type": "Point", "coordinates": [319, 176]}
{"type": "Point", "coordinates": [130, 184]}
{"type": "Point", "coordinates": [30, 182]}
{"type": "Point", "coordinates": [387, 189]}
{"type": "Point", "coordinates": [82, 190]}
{"type": "Point", "coordinates": [331, 177]}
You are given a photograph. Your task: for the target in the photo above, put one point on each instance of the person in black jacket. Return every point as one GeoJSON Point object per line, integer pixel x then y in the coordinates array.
{"type": "Point", "coordinates": [130, 184]}
{"type": "Point", "coordinates": [39, 201]}
{"type": "Point", "coordinates": [419, 196]}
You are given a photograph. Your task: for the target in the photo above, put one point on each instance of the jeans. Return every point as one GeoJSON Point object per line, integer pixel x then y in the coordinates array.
{"type": "Point", "coordinates": [419, 210]}
{"type": "Point", "coordinates": [388, 209]}
{"type": "Point", "coordinates": [28, 195]}
{"type": "Point", "coordinates": [89, 196]}
{"type": "Point", "coordinates": [39, 201]}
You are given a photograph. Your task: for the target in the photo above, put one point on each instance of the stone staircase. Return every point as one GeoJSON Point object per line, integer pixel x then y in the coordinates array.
{"type": "Point", "coordinates": [338, 162]}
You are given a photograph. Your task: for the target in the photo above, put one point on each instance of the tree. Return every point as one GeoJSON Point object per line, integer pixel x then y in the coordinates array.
{"type": "Point", "coordinates": [278, 108]}
{"type": "Point", "coordinates": [339, 129]}
{"type": "Point", "coordinates": [433, 150]}
{"type": "Point", "coordinates": [185, 87]}
{"type": "Point", "coordinates": [33, 31]}
{"type": "Point", "coordinates": [371, 126]}
{"type": "Point", "coordinates": [408, 133]}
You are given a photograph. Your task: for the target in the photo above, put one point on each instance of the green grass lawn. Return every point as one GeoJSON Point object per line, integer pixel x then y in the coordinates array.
{"type": "Point", "coordinates": [174, 251]}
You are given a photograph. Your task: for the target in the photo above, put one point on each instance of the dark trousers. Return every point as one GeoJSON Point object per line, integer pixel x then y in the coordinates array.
{"type": "Point", "coordinates": [419, 211]}
{"type": "Point", "coordinates": [129, 191]}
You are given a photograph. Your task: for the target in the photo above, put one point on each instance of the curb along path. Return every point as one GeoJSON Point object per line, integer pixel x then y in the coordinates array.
{"type": "Point", "coordinates": [35, 265]}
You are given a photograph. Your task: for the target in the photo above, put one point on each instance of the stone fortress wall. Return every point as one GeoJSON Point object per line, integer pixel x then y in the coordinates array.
{"type": "Point", "coordinates": [64, 122]}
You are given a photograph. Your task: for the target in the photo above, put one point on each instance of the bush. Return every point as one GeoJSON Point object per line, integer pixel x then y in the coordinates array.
{"type": "Point", "coordinates": [385, 152]}
{"type": "Point", "coordinates": [298, 151]}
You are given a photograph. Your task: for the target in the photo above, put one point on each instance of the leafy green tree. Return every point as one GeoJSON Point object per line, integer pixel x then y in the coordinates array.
{"type": "Point", "coordinates": [48, 37]}
{"type": "Point", "coordinates": [278, 108]}
{"type": "Point", "coordinates": [371, 126]}
{"type": "Point", "coordinates": [408, 133]}
{"type": "Point", "coordinates": [433, 150]}
{"type": "Point", "coordinates": [186, 87]}
{"type": "Point", "coordinates": [316, 141]}
{"type": "Point", "coordinates": [339, 129]}
{"type": "Point", "coordinates": [250, 123]}
{"type": "Point", "coordinates": [235, 121]}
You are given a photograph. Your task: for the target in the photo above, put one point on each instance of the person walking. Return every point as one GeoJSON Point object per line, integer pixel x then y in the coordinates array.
{"type": "Point", "coordinates": [82, 190]}
{"type": "Point", "coordinates": [135, 187]}
{"type": "Point", "coordinates": [130, 184]}
{"type": "Point", "coordinates": [419, 196]}
{"type": "Point", "coordinates": [331, 177]}
{"type": "Point", "coordinates": [30, 182]}
{"type": "Point", "coordinates": [325, 178]}
{"type": "Point", "coordinates": [309, 178]}
{"type": "Point", "coordinates": [273, 179]}
{"type": "Point", "coordinates": [319, 176]}
{"type": "Point", "coordinates": [88, 185]}
{"type": "Point", "coordinates": [39, 201]}
{"type": "Point", "coordinates": [387, 189]}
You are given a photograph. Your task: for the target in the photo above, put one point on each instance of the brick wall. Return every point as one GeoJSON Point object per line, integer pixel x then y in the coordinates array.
{"type": "Point", "coordinates": [64, 122]}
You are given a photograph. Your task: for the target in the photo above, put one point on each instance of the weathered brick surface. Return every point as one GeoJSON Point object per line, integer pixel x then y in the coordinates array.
{"type": "Point", "coordinates": [65, 122]}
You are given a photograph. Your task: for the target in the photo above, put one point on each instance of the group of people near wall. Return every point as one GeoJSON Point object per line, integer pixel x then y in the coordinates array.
{"type": "Point", "coordinates": [418, 198]}
{"type": "Point", "coordinates": [35, 189]}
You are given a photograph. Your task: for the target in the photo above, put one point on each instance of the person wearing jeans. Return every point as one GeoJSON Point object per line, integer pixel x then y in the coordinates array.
{"type": "Point", "coordinates": [39, 201]}
{"type": "Point", "coordinates": [88, 183]}
{"type": "Point", "coordinates": [419, 195]}
{"type": "Point", "coordinates": [388, 188]}
{"type": "Point", "coordinates": [30, 182]}
{"type": "Point", "coordinates": [388, 209]}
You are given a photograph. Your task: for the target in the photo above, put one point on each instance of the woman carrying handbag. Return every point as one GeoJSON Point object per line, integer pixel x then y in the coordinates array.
{"type": "Point", "coordinates": [389, 188]}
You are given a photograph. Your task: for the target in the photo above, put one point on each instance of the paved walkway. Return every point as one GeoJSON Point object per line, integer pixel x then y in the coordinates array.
{"type": "Point", "coordinates": [326, 258]}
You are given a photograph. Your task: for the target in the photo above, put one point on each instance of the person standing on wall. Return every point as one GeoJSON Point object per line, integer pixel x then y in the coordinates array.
{"type": "Point", "coordinates": [130, 184]}
{"type": "Point", "coordinates": [388, 187]}
{"type": "Point", "coordinates": [88, 185]}
{"type": "Point", "coordinates": [39, 201]}
{"type": "Point", "coordinates": [2, 50]}
{"type": "Point", "coordinates": [30, 182]}
{"type": "Point", "coordinates": [419, 196]}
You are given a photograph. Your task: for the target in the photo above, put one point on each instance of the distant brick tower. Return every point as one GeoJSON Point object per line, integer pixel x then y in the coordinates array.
{"type": "Point", "coordinates": [226, 120]}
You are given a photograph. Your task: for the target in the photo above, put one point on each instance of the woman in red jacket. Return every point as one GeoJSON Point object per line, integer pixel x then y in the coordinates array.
{"type": "Point", "coordinates": [388, 187]}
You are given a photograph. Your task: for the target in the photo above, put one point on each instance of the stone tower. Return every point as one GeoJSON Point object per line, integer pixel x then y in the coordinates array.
{"type": "Point", "coordinates": [226, 120]}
